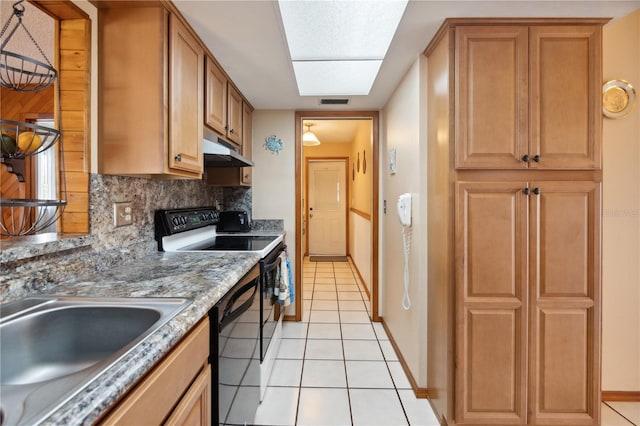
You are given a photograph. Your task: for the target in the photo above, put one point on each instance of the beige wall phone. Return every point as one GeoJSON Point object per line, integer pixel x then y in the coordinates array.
{"type": "Point", "coordinates": [404, 213]}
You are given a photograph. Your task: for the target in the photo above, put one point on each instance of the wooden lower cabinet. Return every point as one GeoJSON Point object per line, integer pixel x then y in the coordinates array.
{"type": "Point", "coordinates": [195, 407]}
{"type": "Point", "coordinates": [177, 391]}
{"type": "Point", "coordinates": [565, 303]}
{"type": "Point", "coordinates": [527, 303]}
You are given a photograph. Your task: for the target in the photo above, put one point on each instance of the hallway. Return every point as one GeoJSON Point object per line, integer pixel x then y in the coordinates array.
{"type": "Point", "coordinates": [336, 367]}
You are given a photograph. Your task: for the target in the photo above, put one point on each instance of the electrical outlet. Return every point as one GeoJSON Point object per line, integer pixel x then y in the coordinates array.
{"type": "Point", "coordinates": [122, 214]}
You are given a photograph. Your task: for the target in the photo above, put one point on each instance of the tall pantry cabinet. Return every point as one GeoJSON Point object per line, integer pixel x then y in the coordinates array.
{"type": "Point", "coordinates": [514, 169]}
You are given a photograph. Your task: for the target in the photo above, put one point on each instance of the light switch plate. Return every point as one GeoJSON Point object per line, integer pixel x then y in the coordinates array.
{"type": "Point", "coordinates": [392, 161]}
{"type": "Point", "coordinates": [122, 214]}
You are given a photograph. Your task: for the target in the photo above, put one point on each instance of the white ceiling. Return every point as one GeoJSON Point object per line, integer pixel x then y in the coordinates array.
{"type": "Point", "coordinates": [247, 39]}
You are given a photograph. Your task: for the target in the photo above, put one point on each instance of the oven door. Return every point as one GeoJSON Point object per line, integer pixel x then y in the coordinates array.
{"type": "Point", "coordinates": [237, 372]}
{"type": "Point", "coordinates": [269, 280]}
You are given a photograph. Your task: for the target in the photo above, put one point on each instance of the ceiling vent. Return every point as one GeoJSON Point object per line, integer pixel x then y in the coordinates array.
{"type": "Point", "coordinates": [343, 101]}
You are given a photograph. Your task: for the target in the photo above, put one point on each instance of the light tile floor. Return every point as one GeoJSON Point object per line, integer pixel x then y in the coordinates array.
{"type": "Point", "coordinates": [620, 413]}
{"type": "Point", "coordinates": [336, 367]}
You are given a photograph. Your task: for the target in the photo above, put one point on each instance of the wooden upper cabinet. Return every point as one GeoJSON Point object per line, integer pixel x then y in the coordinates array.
{"type": "Point", "coordinates": [216, 98]}
{"type": "Point", "coordinates": [566, 99]}
{"type": "Point", "coordinates": [528, 96]}
{"type": "Point", "coordinates": [223, 105]}
{"type": "Point", "coordinates": [236, 176]}
{"type": "Point", "coordinates": [247, 113]}
{"type": "Point", "coordinates": [151, 108]}
{"type": "Point", "coordinates": [491, 96]}
{"type": "Point", "coordinates": [234, 116]}
{"type": "Point", "coordinates": [185, 99]}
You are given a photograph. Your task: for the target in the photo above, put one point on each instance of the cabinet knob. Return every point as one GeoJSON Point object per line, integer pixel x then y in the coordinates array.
{"type": "Point", "coordinates": [525, 158]}
{"type": "Point", "coordinates": [226, 127]}
{"type": "Point", "coordinates": [526, 191]}
{"type": "Point", "coordinates": [536, 191]}
{"type": "Point", "coordinates": [231, 131]}
{"type": "Point", "coordinates": [536, 158]}
{"type": "Point", "coordinates": [179, 157]}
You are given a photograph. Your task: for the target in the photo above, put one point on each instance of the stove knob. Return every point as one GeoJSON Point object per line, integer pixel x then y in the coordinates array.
{"type": "Point", "coordinates": [175, 221]}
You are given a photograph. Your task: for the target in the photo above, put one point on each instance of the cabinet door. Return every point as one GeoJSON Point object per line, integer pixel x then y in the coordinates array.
{"type": "Point", "coordinates": [566, 104]}
{"type": "Point", "coordinates": [216, 98]}
{"type": "Point", "coordinates": [491, 97]}
{"type": "Point", "coordinates": [246, 142]}
{"type": "Point", "coordinates": [565, 303]}
{"type": "Point", "coordinates": [185, 99]}
{"type": "Point", "coordinates": [234, 116]}
{"type": "Point", "coordinates": [491, 303]}
{"type": "Point", "coordinates": [194, 409]}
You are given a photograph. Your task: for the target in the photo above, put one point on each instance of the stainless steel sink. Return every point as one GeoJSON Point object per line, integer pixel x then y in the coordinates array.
{"type": "Point", "coordinates": [50, 348]}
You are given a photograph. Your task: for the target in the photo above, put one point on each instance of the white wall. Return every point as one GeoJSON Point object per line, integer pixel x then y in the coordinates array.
{"type": "Point", "coordinates": [621, 215]}
{"type": "Point", "coordinates": [404, 128]}
{"type": "Point", "coordinates": [273, 188]}
{"type": "Point", "coordinates": [360, 245]}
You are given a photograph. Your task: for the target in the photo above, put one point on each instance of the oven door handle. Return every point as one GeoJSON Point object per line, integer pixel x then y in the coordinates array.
{"type": "Point", "coordinates": [230, 315]}
{"type": "Point", "coordinates": [268, 267]}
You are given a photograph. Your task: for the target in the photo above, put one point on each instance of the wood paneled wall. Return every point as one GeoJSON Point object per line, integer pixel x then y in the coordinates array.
{"type": "Point", "coordinates": [74, 66]}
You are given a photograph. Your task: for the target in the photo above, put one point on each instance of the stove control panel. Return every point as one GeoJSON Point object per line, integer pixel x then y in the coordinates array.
{"type": "Point", "coordinates": [169, 222]}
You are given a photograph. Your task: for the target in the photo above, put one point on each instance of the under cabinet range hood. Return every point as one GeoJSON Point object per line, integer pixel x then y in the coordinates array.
{"type": "Point", "coordinates": [219, 153]}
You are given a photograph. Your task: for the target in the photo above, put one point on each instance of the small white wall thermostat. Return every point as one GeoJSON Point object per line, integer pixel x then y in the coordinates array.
{"type": "Point", "coordinates": [392, 161]}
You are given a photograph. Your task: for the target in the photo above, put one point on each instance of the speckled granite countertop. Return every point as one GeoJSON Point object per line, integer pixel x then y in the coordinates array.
{"type": "Point", "coordinates": [202, 277]}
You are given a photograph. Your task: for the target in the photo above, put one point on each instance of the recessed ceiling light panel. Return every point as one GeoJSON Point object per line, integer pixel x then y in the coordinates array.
{"type": "Point", "coordinates": [318, 30]}
{"type": "Point", "coordinates": [333, 78]}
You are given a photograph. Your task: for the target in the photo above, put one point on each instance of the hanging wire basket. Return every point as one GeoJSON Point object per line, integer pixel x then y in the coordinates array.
{"type": "Point", "coordinates": [27, 216]}
{"type": "Point", "coordinates": [20, 140]}
{"type": "Point", "coordinates": [19, 72]}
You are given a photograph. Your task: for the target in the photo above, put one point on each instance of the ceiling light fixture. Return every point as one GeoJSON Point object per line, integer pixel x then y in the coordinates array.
{"type": "Point", "coordinates": [309, 138]}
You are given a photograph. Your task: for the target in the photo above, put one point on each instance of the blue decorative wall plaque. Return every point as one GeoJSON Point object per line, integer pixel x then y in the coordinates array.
{"type": "Point", "coordinates": [273, 144]}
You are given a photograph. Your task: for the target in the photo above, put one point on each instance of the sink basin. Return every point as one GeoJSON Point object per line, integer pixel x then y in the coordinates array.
{"type": "Point", "coordinates": [50, 348]}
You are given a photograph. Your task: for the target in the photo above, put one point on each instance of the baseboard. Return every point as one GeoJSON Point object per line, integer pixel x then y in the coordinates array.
{"type": "Point", "coordinates": [418, 391]}
{"type": "Point", "coordinates": [364, 284]}
{"type": "Point", "coordinates": [621, 396]}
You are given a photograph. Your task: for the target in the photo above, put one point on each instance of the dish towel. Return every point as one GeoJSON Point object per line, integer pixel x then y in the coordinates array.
{"type": "Point", "coordinates": [283, 287]}
{"type": "Point", "coordinates": [292, 292]}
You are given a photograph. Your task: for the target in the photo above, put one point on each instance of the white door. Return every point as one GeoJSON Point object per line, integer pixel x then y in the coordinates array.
{"type": "Point", "coordinates": [327, 208]}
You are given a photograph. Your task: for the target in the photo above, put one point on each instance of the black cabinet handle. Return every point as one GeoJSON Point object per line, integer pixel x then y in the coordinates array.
{"type": "Point", "coordinates": [525, 158]}
{"type": "Point", "coordinates": [536, 158]}
{"type": "Point", "coordinates": [179, 157]}
{"type": "Point", "coordinates": [536, 191]}
{"type": "Point", "coordinates": [526, 191]}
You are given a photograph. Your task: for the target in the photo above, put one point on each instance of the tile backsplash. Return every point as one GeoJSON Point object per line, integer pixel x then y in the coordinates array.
{"type": "Point", "coordinates": [112, 246]}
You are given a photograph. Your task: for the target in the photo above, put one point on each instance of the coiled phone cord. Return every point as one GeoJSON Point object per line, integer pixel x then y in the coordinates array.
{"type": "Point", "coordinates": [406, 241]}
